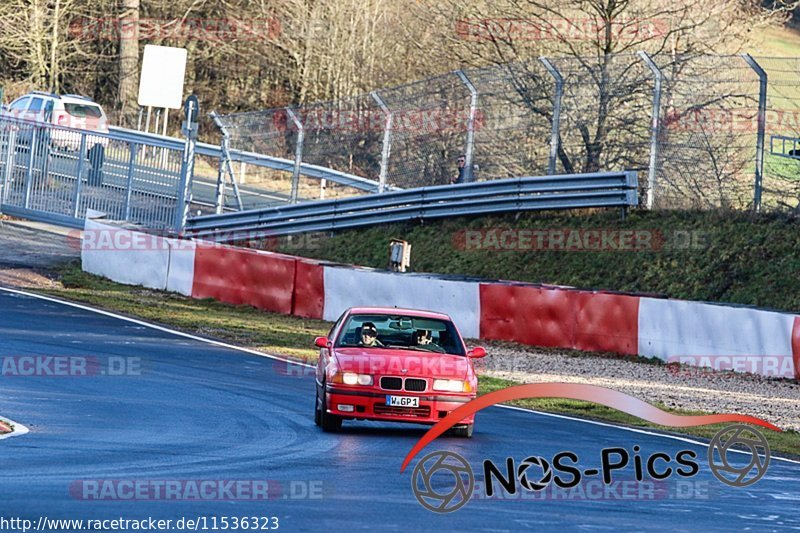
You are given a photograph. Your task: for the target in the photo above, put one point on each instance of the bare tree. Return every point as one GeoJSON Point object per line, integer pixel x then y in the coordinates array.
{"type": "Point", "coordinates": [128, 61]}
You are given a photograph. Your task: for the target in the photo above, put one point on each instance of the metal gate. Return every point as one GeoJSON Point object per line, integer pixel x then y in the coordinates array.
{"type": "Point", "coordinates": [57, 174]}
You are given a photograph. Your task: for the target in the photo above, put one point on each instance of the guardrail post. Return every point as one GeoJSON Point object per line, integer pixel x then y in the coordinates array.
{"type": "Point", "coordinates": [298, 155]}
{"type": "Point", "coordinates": [76, 195]}
{"type": "Point", "coordinates": [473, 111]}
{"type": "Point", "coordinates": [134, 148]}
{"type": "Point", "coordinates": [11, 161]}
{"type": "Point", "coordinates": [655, 126]}
{"type": "Point", "coordinates": [556, 122]}
{"type": "Point", "coordinates": [189, 129]}
{"type": "Point", "coordinates": [29, 172]}
{"type": "Point", "coordinates": [387, 140]}
{"type": "Point", "coordinates": [762, 117]}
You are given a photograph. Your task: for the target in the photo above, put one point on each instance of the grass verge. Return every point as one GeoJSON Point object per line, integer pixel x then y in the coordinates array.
{"type": "Point", "coordinates": [694, 255]}
{"type": "Point", "coordinates": [292, 336]}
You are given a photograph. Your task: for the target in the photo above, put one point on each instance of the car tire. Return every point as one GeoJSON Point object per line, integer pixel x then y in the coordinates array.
{"type": "Point", "coordinates": [463, 432]}
{"type": "Point", "coordinates": [329, 423]}
{"type": "Point", "coordinates": [317, 412]}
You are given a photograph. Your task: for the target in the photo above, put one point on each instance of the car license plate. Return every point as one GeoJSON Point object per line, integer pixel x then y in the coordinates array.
{"type": "Point", "coordinates": [402, 401]}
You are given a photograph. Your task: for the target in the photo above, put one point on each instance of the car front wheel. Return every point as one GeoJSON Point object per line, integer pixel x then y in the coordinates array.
{"type": "Point", "coordinates": [329, 423]}
{"type": "Point", "coordinates": [464, 432]}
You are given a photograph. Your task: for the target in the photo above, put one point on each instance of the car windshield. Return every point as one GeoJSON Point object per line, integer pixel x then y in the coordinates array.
{"type": "Point", "coordinates": [83, 110]}
{"type": "Point", "coordinates": [401, 331]}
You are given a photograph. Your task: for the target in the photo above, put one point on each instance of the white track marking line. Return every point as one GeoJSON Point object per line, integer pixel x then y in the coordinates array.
{"type": "Point", "coordinates": [278, 358]}
{"type": "Point", "coordinates": [152, 326]}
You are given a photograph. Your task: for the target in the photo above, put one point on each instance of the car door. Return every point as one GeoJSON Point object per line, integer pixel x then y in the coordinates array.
{"type": "Point", "coordinates": [325, 353]}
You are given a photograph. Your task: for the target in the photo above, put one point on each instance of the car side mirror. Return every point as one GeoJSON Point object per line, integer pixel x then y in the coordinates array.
{"type": "Point", "coordinates": [477, 352]}
{"type": "Point", "coordinates": [322, 342]}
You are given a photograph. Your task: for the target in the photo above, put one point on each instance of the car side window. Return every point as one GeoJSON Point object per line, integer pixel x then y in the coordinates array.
{"type": "Point", "coordinates": [36, 105]}
{"type": "Point", "coordinates": [21, 104]}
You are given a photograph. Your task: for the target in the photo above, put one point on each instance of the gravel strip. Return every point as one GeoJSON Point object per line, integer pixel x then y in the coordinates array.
{"type": "Point", "coordinates": [689, 388]}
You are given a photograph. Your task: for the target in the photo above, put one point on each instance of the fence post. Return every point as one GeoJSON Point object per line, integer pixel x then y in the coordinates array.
{"type": "Point", "coordinates": [298, 154]}
{"type": "Point", "coordinates": [76, 196]}
{"type": "Point", "coordinates": [189, 129]}
{"type": "Point", "coordinates": [554, 134]}
{"type": "Point", "coordinates": [11, 161]}
{"type": "Point", "coordinates": [387, 140]}
{"type": "Point", "coordinates": [224, 166]}
{"type": "Point", "coordinates": [473, 110]}
{"type": "Point", "coordinates": [655, 126]}
{"type": "Point", "coordinates": [762, 118]}
{"type": "Point", "coordinates": [134, 148]}
{"type": "Point", "coordinates": [29, 173]}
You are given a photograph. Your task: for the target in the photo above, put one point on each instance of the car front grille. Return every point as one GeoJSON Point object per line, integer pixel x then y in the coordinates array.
{"type": "Point", "coordinates": [415, 385]}
{"type": "Point", "coordinates": [383, 409]}
{"type": "Point", "coordinates": [411, 384]}
{"type": "Point", "coordinates": [389, 383]}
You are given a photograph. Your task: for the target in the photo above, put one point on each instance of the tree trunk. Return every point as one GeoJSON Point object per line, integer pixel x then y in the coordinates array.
{"type": "Point", "coordinates": [128, 62]}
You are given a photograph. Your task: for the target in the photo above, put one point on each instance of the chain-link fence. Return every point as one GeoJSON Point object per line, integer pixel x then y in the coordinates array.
{"type": "Point", "coordinates": [703, 131]}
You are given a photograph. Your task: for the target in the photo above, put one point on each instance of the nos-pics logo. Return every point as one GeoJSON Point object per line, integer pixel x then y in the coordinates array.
{"type": "Point", "coordinates": [444, 481]}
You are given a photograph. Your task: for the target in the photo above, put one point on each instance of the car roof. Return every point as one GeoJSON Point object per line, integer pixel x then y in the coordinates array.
{"type": "Point", "coordinates": [75, 99]}
{"type": "Point", "coordinates": [397, 311]}
{"type": "Point", "coordinates": [68, 98]}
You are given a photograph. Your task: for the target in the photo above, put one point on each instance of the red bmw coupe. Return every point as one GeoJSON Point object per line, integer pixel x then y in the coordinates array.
{"type": "Point", "coordinates": [398, 365]}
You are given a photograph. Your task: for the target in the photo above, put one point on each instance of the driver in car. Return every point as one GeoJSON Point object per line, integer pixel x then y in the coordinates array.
{"type": "Point", "coordinates": [369, 335]}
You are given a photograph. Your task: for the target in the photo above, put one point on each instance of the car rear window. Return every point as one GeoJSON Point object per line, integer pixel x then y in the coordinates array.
{"type": "Point", "coordinates": [83, 110]}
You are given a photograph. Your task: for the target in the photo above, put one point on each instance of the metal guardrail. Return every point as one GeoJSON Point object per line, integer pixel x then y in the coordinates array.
{"type": "Point", "coordinates": [778, 146]}
{"type": "Point", "coordinates": [56, 173]}
{"type": "Point", "coordinates": [607, 189]}
{"type": "Point", "coordinates": [250, 158]}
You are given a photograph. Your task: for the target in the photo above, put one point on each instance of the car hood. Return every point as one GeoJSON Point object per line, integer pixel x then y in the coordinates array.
{"type": "Point", "coordinates": [386, 361]}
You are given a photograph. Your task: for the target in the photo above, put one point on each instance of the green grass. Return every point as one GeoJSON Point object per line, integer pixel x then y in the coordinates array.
{"type": "Point", "coordinates": [741, 258]}
{"type": "Point", "coordinates": [779, 42]}
{"type": "Point", "coordinates": [292, 336]}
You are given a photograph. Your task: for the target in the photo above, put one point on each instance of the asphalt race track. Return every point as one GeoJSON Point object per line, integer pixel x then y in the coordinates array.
{"type": "Point", "coordinates": [199, 411]}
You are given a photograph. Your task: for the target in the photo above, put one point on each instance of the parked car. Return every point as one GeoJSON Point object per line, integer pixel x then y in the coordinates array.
{"type": "Point", "coordinates": [68, 110]}
{"type": "Point", "coordinates": [398, 365]}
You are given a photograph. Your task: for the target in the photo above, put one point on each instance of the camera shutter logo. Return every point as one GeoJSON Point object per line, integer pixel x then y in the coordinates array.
{"type": "Point", "coordinates": [443, 482]}
{"type": "Point", "coordinates": [722, 457]}
{"type": "Point", "coordinates": [541, 464]}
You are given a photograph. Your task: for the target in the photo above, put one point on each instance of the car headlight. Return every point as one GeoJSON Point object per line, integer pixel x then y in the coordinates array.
{"type": "Point", "coordinates": [351, 378]}
{"type": "Point", "coordinates": [452, 385]}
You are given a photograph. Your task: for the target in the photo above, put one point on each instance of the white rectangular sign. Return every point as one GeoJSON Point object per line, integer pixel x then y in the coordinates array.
{"type": "Point", "coordinates": [161, 81]}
